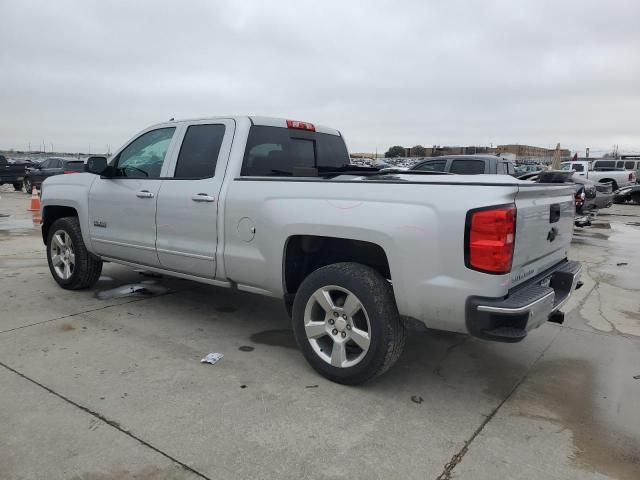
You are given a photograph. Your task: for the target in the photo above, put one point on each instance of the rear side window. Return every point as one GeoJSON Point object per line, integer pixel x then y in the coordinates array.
{"type": "Point", "coordinates": [434, 166]}
{"type": "Point", "coordinates": [578, 167]}
{"type": "Point", "coordinates": [274, 151]}
{"type": "Point", "coordinates": [467, 167]}
{"type": "Point", "coordinates": [620, 165]}
{"type": "Point", "coordinates": [199, 151]}
{"type": "Point", "coordinates": [605, 164]}
{"type": "Point", "coordinates": [630, 165]}
{"type": "Point", "coordinates": [74, 166]}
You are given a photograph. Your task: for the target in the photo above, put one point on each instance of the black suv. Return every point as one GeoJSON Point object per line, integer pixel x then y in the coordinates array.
{"type": "Point", "coordinates": [49, 167]}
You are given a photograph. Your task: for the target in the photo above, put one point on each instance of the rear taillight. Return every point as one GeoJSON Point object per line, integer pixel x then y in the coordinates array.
{"type": "Point", "coordinates": [489, 239]}
{"type": "Point", "coordinates": [301, 125]}
{"type": "Point", "coordinates": [632, 176]}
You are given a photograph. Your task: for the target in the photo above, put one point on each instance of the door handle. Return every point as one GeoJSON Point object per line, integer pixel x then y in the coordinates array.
{"type": "Point", "coordinates": [203, 197]}
{"type": "Point", "coordinates": [144, 194]}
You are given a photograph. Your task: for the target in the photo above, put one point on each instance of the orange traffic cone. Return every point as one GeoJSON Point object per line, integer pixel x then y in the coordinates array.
{"type": "Point", "coordinates": [35, 201]}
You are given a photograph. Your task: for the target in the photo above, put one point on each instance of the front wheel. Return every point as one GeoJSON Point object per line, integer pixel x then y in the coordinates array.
{"type": "Point", "coordinates": [70, 263]}
{"type": "Point", "coordinates": [17, 186]}
{"type": "Point", "coordinates": [347, 324]}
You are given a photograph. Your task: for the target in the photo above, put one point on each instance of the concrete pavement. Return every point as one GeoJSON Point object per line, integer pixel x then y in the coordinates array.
{"type": "Point", "coordinates": [111, 386]}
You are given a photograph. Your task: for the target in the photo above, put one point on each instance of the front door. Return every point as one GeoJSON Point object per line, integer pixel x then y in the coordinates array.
{"type": "Point", "coordinates": [122, 209]}
{"type": "Point", "coordinates": [188, 199]}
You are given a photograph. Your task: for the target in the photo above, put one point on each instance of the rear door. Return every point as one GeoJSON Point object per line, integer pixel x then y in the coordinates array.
{"type": "Point", "coordinates": [122, 209]}
{"type": "Point", "coordinates": [187, 212]}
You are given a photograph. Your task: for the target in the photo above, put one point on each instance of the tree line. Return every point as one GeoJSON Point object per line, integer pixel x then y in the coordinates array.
{"type": "Point", "coordinates": [398, 151]}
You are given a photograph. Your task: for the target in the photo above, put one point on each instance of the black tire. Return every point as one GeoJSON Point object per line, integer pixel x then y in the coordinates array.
{"type": "Point", "coordinates": [17, 186]}
{"type": "Point", "coordinates": [387, 333]}
{"type": "Point", "coordinates": [26, 183]}
{"type": "Point", "coordinates": [87, 267]}
{"type": "Point", "coordinates": [635, 198]}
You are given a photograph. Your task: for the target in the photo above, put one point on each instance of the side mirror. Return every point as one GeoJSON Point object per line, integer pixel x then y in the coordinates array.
{"type": "Point", "coordinates": [96, 165]}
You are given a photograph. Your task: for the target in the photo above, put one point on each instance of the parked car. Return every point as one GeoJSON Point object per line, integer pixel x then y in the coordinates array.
{"type": "Point", "coordinates": [49, 167]}
{"type": "Point", "coordinates": [272, 206]}
{"type": "Point", "coordinates": [11, 172]}
{"type": "Point", "coordinates": [627, 194]}
{"type": "Point", "coordinates": [467, 165]}
{"type": "Point", "coordinates": [589, 196]}
{"type": "Point", "coordinates": [625, 163]}
{"type": "Point", "coordinates": [526, 169]}
{"type": "Point", "coordinates": [617, 178]}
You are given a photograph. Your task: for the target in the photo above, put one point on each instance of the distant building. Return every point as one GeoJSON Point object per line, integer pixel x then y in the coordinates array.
{"type": "Point", "coordinates": [528, 152]}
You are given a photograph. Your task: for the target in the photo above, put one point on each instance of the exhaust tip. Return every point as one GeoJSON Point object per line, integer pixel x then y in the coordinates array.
{"type": "Point", "coordinates": [557, 317]}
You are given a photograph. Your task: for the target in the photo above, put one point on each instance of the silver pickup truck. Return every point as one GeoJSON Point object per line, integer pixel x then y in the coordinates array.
{"type": "Point", "coordinates": [272, 206]}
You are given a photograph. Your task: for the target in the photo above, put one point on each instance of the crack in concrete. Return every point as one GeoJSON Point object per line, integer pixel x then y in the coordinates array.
{"type": "Point", "coordinates": [108, 421]}
{"type": "Point", "coordinates": [457, 457]}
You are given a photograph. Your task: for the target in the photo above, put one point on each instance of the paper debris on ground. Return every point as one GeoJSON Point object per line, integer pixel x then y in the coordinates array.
{"type": "Point", "coordinates": [212, 358]}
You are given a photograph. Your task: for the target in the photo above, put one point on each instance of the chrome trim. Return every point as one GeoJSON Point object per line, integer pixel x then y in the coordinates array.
{"type": "Point", "coordinates": [515, 311]}
{"type": "Point", "coordinates": [184, 254]}
{"type": "Point", "coordinates": [121, 244]}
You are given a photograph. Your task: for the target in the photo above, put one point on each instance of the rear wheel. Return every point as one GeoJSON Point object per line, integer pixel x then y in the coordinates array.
{"type": "Point", "coordinates": [17, 186]}
{"type": "Point", "coordinates": [70, 263]}
{"type": "Point", "coordinates": [346, 322]}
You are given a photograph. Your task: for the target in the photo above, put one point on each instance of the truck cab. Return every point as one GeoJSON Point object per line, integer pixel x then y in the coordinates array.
{"type": "Point", "coordinates": [616, 177]}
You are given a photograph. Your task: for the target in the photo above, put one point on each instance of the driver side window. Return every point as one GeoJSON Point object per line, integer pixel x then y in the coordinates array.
{"type": "Point", "coordinates": [143, 157]}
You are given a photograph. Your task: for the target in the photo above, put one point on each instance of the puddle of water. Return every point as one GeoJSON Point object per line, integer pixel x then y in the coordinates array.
{"type": "Point", "coordinates": [567, 387]}
{"type": "Point", "coordinates": [132, 290]}
{"type": "Point", "coordinates": [276, 338]}
{"type": "Point", "coordinates": [17, 226]}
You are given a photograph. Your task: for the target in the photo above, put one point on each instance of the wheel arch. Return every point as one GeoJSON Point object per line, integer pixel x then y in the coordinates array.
{"type": "Point", "coordinates": [51, 213]}
{"type": "Point", "coordinates": [611, 181]}
{"type": "Point", "coordinates": [304, 254]}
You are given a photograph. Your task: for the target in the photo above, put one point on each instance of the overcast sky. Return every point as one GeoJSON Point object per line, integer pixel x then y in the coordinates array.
{"type": "Point", "coordinates": [80, 73]}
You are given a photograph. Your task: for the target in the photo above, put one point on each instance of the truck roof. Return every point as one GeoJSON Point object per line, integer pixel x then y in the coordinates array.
{"type": "Point", "coordinates": [260, 120]}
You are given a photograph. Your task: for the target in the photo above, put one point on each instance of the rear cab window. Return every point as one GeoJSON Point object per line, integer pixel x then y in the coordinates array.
{"type": "Point", "coordinates": [276, 151]}
{"type": "Point", "coordinates": [467, 167]}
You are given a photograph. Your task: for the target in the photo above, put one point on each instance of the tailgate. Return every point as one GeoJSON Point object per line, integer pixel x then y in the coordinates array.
{"type": "Point", "coordinates": [544, 226]}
